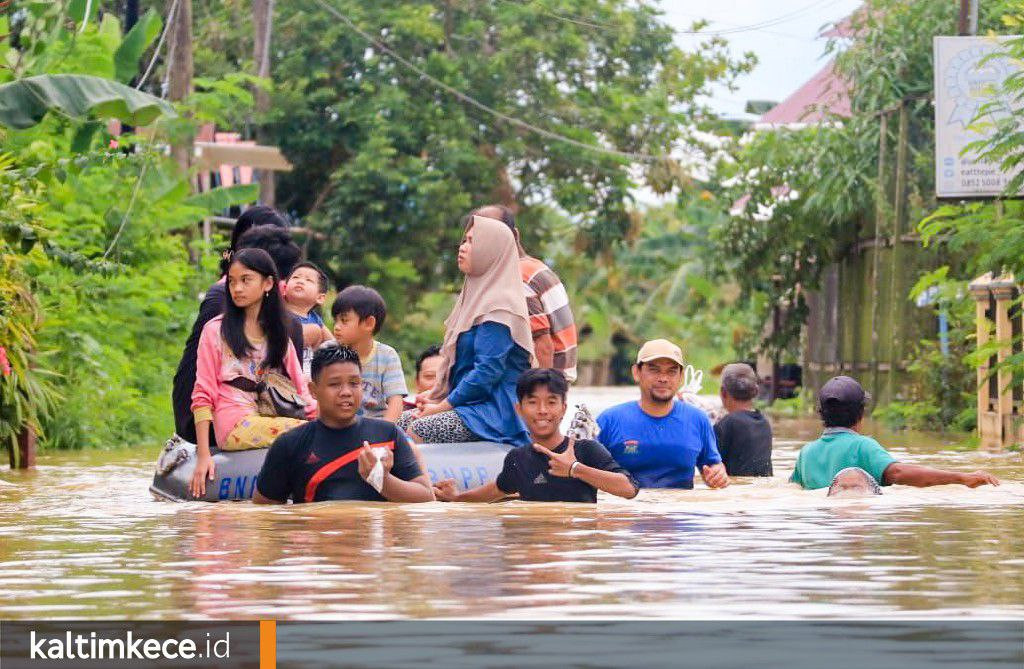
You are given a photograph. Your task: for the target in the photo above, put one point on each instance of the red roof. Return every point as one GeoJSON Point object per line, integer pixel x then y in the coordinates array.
{"type": "Point", "coordinates": [823, 93]}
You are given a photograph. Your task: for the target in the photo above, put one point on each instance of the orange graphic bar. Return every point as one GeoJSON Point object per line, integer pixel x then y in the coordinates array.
{"type": "Point", "coordinates": [268, 644]}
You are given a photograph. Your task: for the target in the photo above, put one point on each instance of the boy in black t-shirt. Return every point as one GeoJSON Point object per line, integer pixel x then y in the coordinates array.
{"type": "Point", "coordinates": [555, 468]}
{"type": "Point", "coordinates": [332, 457]}
{"type": "Point", "coordinates": [744, 435]}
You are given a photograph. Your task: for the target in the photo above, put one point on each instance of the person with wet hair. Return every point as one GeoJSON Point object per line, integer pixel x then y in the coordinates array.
{"type": "Point", "coordinates": [211, 306]}
{"type": "Point", "coordinates": [744, 434]}
{"type": "Point", "coordinates": [853, 482]}
{"type": "Point", "coordinates": [841, 404]}
{"type": "Point", "coordinates": [341, 455]}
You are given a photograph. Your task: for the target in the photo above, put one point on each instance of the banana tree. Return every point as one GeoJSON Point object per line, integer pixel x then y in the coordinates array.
{"type": "Point", "coordinates": [24, 102]}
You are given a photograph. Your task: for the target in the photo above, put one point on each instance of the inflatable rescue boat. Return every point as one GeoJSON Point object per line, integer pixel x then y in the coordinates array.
{"type": "Point", "coordinates": [235, 472]}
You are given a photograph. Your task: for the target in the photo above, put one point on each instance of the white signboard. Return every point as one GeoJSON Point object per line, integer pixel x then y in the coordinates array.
{"type": "Point", "coordinates": [964, 82]}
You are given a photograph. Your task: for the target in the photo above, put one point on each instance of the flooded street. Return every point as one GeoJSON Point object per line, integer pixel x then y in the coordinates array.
{"type": "Point", "coordinates": [81, 538]}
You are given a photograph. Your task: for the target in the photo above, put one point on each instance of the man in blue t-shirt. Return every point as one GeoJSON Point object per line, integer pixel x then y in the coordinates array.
{"type": "Point", "coordinates": [660, 440]}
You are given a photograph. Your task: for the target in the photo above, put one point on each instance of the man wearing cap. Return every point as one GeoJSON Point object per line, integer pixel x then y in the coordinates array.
{"type": "Point", "coordinates": [841, 404]}
{"type": "Point", "coordinates": [660, 440]}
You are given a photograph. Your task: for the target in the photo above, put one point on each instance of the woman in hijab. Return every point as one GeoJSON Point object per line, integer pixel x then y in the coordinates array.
{"type": "Point", "coordinates": [487, 345]}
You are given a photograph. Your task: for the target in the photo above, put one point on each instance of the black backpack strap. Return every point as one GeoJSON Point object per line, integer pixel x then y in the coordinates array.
{"type": "Point", "coordinates": [246, 385]}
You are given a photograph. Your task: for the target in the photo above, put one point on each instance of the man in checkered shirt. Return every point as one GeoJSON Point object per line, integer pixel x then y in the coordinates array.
{"type": "Point", "coordinates": [551, 320]}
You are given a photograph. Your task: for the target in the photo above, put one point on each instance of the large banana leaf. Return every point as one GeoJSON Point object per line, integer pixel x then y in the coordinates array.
{"type": "Point", "coordinates": [24, 103]}
{"type": "Point", "coordinates": [135, 43]}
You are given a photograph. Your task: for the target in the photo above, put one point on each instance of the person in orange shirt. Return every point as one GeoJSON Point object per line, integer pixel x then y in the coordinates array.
{"type": "Point", "coordinates": [551, 319]}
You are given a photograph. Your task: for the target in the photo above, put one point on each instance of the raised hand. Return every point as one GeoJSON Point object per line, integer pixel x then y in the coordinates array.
{"type": "Point", "coordinates": [559, 464]}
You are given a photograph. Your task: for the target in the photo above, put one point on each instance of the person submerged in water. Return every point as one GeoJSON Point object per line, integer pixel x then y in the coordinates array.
{"type": "Point", "coordinates": [332, 458]}
{"type": "Point", "coordinates": [841, 404]}
{"type": "Point", "coordinates": [853, 482]}
{"type": "Point", "coordinates": [554, 468]}
{"type": "Point", "coordinates": [744, 434]}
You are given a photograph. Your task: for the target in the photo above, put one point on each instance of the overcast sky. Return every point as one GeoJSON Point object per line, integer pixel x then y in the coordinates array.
{"type": "Point", "coordinates": [783, 34]}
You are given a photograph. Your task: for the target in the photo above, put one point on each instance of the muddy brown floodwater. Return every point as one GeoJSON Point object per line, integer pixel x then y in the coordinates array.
{"type": "Point", "coordinates": [80, 538]}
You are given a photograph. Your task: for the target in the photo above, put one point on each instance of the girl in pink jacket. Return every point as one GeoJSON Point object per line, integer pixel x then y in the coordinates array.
{"type": "Point", "coordinates": [249, 339]}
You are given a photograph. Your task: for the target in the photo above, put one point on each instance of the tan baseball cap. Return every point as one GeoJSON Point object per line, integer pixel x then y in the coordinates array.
{"type": "Point", "coordinates": [660, 348]}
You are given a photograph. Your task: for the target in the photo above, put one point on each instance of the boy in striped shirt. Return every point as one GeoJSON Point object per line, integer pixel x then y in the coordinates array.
{"type": "Point", "coordinates": [551, 319]}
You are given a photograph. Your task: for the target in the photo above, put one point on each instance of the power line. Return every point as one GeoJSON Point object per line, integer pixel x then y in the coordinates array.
{"type": "Point", "coordinates": [145, 163]}
{"type": "Point", "coordinates": [760, 26]}
{"type": "Point", "coordinates": [636, 157]}
{"type": "Point", "coordinates": [159, 45]}
{"type": "Point", "coordinates": [739, 28]}
{"type": "Point", "coordinates": [767, 23]}
{"type": "Point", "coordinates": [567, 18]}
{"type": "Point", "coordinates": [128, 210]}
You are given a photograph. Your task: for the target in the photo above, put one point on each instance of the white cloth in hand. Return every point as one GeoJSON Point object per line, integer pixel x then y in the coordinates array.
{"type": "Point", "coordinates": [376, 478]}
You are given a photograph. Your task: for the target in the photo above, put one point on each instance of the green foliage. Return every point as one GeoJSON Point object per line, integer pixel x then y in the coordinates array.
{"type": "Point", "coordinates": [135, 43]}
{"type": "Point", "coordinates": [988, 236]}
{"type": "Point", "coordinates": [27, 393]}
{"type": "Point", "coordinates": [806, 195]}
{"type": "Point", "coordinates": [794, 407]}
{"type": "Point", "coordinates": [224, 197]}
{"type": "Point", "coordinates": [659, 283]}
{"type": "Point", "coordinates": [97, 292]}
{"type": "Point", "coordinates": [23, 103]}
{"type": "Point", "coordinates": [922, 416]}
{"type": "Point", "coordinates": [387, 162]}
{"type": "Point", "coordinates": [773, 243]}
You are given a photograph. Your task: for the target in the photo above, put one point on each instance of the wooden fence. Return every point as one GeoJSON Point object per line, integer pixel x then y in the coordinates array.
{"type": "Point", "coordinates": [862, 322]}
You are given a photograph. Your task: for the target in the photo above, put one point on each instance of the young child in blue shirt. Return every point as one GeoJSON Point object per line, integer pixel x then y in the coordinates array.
{"type": "Point", "coordinates": [304, 294]}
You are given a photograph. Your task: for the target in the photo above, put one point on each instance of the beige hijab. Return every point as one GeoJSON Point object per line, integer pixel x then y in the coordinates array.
{"type": "Point", "coordinates": [493, 291]}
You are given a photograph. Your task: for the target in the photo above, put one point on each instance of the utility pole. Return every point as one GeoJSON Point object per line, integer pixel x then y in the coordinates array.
{"type": "Point", "coordinates": [180, 70]}
{"type": "Point", "coordinates": [263, 23]}
{"type": "Point", "coordinates": [179, 56]}
{"type": "Point", "coordinates": [967, 23]}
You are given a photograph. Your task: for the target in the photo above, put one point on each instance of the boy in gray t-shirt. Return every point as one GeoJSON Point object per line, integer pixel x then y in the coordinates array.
{"type": "Point", "coordinates": [359, 313]}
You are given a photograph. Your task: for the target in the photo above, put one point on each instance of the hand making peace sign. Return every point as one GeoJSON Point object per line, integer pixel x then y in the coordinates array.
{"type": "Point", "coordinates": [559, 464]}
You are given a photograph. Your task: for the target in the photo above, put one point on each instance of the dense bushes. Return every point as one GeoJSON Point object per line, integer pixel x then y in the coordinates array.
{"type": "Point", "coordinates": [96, 290]}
